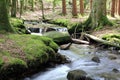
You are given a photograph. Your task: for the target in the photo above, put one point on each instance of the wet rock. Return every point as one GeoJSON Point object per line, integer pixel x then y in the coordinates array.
{"type": "Point", "coordinates": [62, 59]}
{"type": "Point", "coordinates": [115, 70]}
{"type": "Point", "coordinates": [96, 59]}
{"type": "Point", "coordinates": [65, 46]}
{"type": "Point", "coordinates": [78, 75]}
{"type": "Point", "coordinates": [112, 56]}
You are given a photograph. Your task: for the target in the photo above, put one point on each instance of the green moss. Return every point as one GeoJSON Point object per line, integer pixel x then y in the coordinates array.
{"type": "Point", "coordinates": [115, 38]}
{"type": "Point", "coordinates": [59, 37]}
{"type": "Point", "coordinates": [1, 63]}
{"type": "Point", "coordinates": [63, 22]}
{"type": "Point", "coordinates": [12, 67]}
{"type": "Point", "coordinates": [35, 50]}
{"type": "Point", "coordinates": [18, 25]}
{"type": "Point", "coordinates": [75, 27]}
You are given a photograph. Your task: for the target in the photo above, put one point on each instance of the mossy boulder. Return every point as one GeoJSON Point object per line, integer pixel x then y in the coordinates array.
{"type": "Point", "coordinates": [114, 38]}
{"type": "Point", "coordinates": [20, 53]}
{"type": "Point", "coordinates": [18, 25]}
{"type": "Point", "coordinates": [59, 37]}
{"type": "Point", "coordinates": [11, 67]}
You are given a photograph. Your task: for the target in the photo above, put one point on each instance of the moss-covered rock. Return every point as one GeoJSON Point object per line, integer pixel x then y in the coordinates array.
{"type": "Point", "coordinates": [17, 25]}
{"type": "Point", "coordinates": [58, 37]}
{"type": "Point", "coordinates": [24, 52]}
{"type": "Point", "coordinates": [114, 38]}
{"type": "Point", "coordinates": [12, 67]}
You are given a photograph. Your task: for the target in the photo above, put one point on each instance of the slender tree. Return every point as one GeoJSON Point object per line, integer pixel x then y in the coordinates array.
{"type": "Point", "coordinates": [81, 7]}
{"type": "Point", "coordinates": [113, 8]}
{"type": "Point", "coordinates": [13, 8]}
{"type": "Point", "coordinates": [64, 7]}
{"type": "Point", "coordinates": [21, 7]}
{"type": "Point", "coordinates": [74, 8]}
{"type": "Point", "coordinates": [42, 6]}
{"type": "Point", "coordinates": [90, 4]}
{"type": "Point", "coordinates": [98, 15]}
{"type": "Point", "coordinates": [32, 5]}
{"type": "Point", "coordinates": [4, 21]}
{"type": "Point", "coordinates": [119, 8]}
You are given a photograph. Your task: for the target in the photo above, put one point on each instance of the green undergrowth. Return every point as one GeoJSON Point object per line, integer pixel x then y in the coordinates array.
{"type": "Point", "coordinates": [21, 52]}
{"type": "Point", "coordinates": [114, 38]}
{"type": "Point", "coordinates": [17, 25]}
{"type": "Point", "coordinates": [59, 37]}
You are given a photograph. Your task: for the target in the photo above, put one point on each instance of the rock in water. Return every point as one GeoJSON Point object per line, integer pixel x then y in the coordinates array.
{"type": "Point", "coordinates": [96, 59]}
{"type": "Point", "coordinates": [78, 75]}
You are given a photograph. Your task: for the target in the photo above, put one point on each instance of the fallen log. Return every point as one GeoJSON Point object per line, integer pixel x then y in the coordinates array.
{"type": "Point", "coordinates": [101, 41]}
{"type": "Point", "coordinates": [78, 41]}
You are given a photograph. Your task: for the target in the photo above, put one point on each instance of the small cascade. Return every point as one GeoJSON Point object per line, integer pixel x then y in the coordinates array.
{"type": "Point", "coordinates": [39, 28]}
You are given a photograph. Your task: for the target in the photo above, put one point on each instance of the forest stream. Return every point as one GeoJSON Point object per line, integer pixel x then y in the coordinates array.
{"type": "Point", "coordinates": [80, 56]}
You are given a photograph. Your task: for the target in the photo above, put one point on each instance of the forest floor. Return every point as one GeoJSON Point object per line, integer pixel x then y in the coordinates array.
{"type": "Point", "coordinates": [49, 14]}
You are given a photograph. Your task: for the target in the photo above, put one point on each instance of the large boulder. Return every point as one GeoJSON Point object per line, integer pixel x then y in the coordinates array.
{"type": "Point", "coordinates": [59, 37]}
{"type": "Point", "coordinates": [77, 75]}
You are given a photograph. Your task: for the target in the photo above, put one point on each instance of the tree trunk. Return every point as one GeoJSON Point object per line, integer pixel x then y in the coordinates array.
{"type": "Point", "coordinates": [74, 8]}
{"type": "Point", "coordinates": [119, 8]}
{"type": "Point", "coordinates": [116, 6]}
{"type": "Point", "coordinates": [98, 15]}
{"type": "Point", "coordinates": [81, 7]}
{"type": "Point", "coordinates": [91, 4]}
{"type": "Point", "coordinates": [32, 5]}
{"type": "Point", "coordinates": [21, 7]}
{"type": "Point", "coordinates": [64, 7]}
{"type": "Point", "coordinates": [113, 8]}
{"type": "Point", "coordinates": [4, 21]}
{"type": "Point", "coordinates": [42, 6]}
{"type": "Point", "coordinates": [13, 8]}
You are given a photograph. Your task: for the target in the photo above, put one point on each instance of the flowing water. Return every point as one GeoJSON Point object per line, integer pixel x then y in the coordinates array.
{"type": "Point", "coordinates": [81, 55]}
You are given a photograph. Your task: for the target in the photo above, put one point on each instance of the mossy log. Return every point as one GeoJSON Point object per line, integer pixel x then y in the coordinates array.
{"type": "Point", "coordinates": [98, 40]}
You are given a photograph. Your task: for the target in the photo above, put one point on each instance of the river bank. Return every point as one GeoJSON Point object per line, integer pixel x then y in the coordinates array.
{"type": "Point", "coordinates": [25, 53]}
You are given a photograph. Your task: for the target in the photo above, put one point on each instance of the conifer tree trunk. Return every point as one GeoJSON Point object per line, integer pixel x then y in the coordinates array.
{"type": "Point", "coordinates": [119, 8]}
{"type": "Point", "coordinates": [74, 8]}
{"type": "Point", "coordinates": [4, 21]}
{"type": "Point", "coordinates": [64, 7]}
{"type": "Point", "coordinates": [32, 5]}
{"type": "Point", "coordinates": [42, 6]}
{"type": "Point", "coordinates": [116, 6]}
{"type": "Point", "coordinates": [81, 7]}
{"type": "Point", "coordinates": [113, 8]}
{"type": "Point", "coordinates": [98, 15]}
{"type": "Point", "coordinates": [90, 4]}
{"type": "Point", "coordinates": [13, 8]}
{"type": "Point", "coordinates": [21, 7]}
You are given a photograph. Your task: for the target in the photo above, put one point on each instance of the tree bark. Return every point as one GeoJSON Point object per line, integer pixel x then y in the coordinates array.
{"type": "Point", "coordinates": [119, 8]}
{"type": "Point", "coordinates": [91, 4]}
{"type": "Point", "coordinates": [32, 5]}
{"type": "Point", "coordinates": [4, 21]}
{"type": "Point", "coordinates": [98, 15]}
{"type": "Point", "coordinates": [13, 8]}
{"type": "Point", "coordinates": [81, 7]}
{"type": "Point", "coordinates": [21, 7]}
{"type": "Point", "coordinates": [113, 8]}
{"type": "Point", "coordinates": [64, 7]}
{"type": "Point", "coordinates": [42, 6]}
{"type": "Point", "coordinates": [74, 8]}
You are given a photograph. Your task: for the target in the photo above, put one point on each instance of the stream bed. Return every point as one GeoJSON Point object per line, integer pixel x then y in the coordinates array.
{"type": "Point", "coordinates": [80, 56]}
